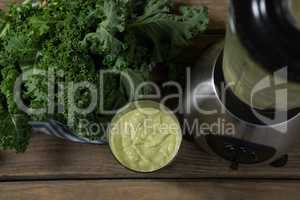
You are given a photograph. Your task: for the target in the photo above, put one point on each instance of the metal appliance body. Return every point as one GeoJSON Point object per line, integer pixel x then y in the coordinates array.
{"type": "Point", "coordinates": [252, 141]}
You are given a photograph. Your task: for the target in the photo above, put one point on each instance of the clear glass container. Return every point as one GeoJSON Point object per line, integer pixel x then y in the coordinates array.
{"type": "Point", "coordinates": [256, 83]}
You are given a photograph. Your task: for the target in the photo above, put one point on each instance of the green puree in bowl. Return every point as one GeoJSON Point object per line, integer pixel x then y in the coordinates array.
{"type": "Point", "coordinates": [145, 139]}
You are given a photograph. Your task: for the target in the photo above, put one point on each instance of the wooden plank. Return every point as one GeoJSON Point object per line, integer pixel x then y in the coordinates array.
{"type": "Point", "coordinates": [150, 190]}
{"type": "Point", "coordinates": [217, 10]}
{"type": "Point", "coordinates": [51, 158]}
{"type": "Point", "coordinates": [4, 3]}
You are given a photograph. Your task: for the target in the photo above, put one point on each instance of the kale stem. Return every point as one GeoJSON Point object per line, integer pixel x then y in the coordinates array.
{"type": "Point", "coordinates": [4, 30]}
{"type": "Point", "coordinates": [27, 2]}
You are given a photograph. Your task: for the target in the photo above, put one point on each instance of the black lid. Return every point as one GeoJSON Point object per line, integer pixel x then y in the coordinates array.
{"type": "Point", "coordinates": [265, 28]}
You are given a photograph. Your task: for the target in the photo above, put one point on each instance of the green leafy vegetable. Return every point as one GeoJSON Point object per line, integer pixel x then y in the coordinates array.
{"type": "Point", "coordinates": [15, 130]}
{"type": "Point", "coordinates": [77, 39]}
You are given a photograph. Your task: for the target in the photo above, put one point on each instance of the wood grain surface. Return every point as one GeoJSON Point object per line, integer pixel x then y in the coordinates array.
{"type": "Point", "coordinates": [58, 170]}
{"type": "Point", "coordinates": [51, 158]}
{"type": "Point", "coordinates": [150, 190]}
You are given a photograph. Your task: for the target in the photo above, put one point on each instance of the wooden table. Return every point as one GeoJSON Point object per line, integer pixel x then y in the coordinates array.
{"type": "Point", "coordinates": [55, 169]}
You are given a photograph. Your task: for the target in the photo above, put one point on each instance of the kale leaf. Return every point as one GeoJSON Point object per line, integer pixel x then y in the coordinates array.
{"type": "Point", "coordinates": [77, 39]}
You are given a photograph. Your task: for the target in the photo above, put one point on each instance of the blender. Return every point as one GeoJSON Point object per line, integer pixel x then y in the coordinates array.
{"type": "Point", "coordinates": [245, 91]}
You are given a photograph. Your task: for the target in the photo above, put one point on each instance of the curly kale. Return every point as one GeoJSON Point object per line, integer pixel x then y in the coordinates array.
{"type": "Point", "coordinates": [76, 39]}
